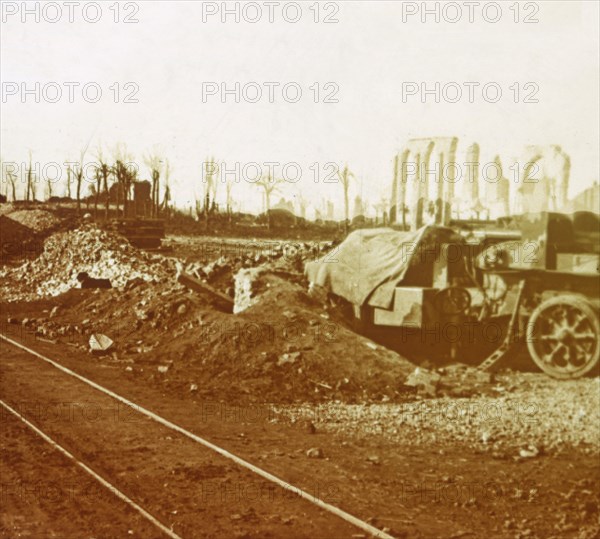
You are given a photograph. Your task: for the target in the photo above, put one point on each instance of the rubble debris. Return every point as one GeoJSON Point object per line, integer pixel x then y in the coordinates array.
{"type": "Point", "coordinates": [36, 220]}
{"type": "Point", "coordinates": [245, 288]}
{"type": "Point", "coordinates": [288, 358]}
{"type": "Point", "coordinates": [531, 451]}
{"type": "Point", "coordinates": [101, 254]}
{"type": "Point", "coordinates": [100, 342]}
{"type": "Point", "coordinates": [315, 453]}
{"type": "Point", "coordinates": [426, 382]}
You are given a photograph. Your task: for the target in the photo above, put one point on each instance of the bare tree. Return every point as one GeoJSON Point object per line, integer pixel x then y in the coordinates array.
{"type": "Point", "coordinates": [228, 197]}
{"type": "Point", "coordinates": [344, 177]}
{"type": "Point", "coordinates": [97, 188]}
{"type": "Point", "coordinates": [103, 172]}
{"type": "Point", "coordinates": [167, 194]}
{"type": "Point", "coordinates": [125, 176]}
{"type": "Point", "coordinates": [68, 190]}
{"type": "Point", "coordinates": [49, 188]}
{"type": "Point", "coordinates": [154, 163]}
{"type": "Point", "coordinates": [214, 187]}
{"type": "Point", "coordinates": [209, 183]}
{"type": "Point", "coordinates": [11, 178]}
{"type": "Point", "coordinates": [209, 180]}
{"type": "Point", "coordinates": [30, 186]}
{"type": "Point", "coordinates": [269, 185]}
{"type": "Point", "coordinates": [79, 175]}
{"type": "Point", "coordinates": [302, 204]}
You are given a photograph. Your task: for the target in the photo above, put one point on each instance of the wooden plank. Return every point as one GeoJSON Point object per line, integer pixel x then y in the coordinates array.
{"type": "Point", "coordinates": [199, 286]}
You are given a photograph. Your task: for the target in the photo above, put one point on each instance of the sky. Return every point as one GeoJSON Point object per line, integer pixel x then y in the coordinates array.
{"type": "Point", "coordinates": [359, 67]}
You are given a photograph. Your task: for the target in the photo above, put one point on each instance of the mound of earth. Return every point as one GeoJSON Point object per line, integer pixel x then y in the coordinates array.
{"type": "Point", "coordinates": [284, 348]}
{"type": "Point", "coordinates": [12, 233]}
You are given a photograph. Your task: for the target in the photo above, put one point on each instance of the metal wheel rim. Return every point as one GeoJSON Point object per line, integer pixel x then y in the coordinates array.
{"type": "Point", "coordinates": [563, 337]}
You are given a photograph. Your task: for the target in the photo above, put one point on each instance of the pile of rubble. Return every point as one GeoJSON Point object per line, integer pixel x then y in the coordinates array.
{"type": "Point", "coordinates": [223, 270]}
{"type": "Point", "coordinates": [6, 207]}
{"type": "Point", "coordinates": [101, 254]}
{"type": "Point", "coordinates": [36, 220]}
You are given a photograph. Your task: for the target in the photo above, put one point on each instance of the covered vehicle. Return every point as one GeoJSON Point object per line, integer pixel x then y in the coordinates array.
{"type": "Point", "coordinates": [409, 283]}
{"type": "Point", "coordinates": [536, 279]}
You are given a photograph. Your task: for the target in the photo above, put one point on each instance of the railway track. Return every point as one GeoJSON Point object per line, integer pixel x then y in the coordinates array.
{"type": "Point", "coordinates": [105, 483]}
{"type": "Point", "coordinates": [181, 483]}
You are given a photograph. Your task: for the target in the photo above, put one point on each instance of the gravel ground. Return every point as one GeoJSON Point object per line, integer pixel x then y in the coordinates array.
{"type": "Point", "coordinates": [530, 415]}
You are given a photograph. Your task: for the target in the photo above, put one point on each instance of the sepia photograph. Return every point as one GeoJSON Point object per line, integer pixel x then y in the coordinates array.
{"type": "Point", "coordinates": [300, 269]}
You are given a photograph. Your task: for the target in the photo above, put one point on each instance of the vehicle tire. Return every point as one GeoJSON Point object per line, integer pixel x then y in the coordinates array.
{"type": "Point", "coordinates": [563, 335]}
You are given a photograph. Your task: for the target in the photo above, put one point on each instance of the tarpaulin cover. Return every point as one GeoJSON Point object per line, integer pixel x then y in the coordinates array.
{"type": "Point", "coordinates": [367, 265]}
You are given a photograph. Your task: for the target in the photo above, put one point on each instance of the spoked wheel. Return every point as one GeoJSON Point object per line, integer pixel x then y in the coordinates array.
{"type": "Point", "coordinates": [562, 337]}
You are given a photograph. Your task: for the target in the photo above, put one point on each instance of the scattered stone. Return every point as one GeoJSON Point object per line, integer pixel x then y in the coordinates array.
{"type": "Point", "coordinates": [426, 382]}
{"type": "Point", "coordinates": [486, 437]}
{"type": "Point", "coordinates": [245, 288]}
{"type": "Point", "coordinates": [314, 453]}
{"type": "Point", "coordinates": [100, 342]}
{"type": "Point", "coordinates": [288, 358]}
{"type": "Point", "coordinates": [530, 452]}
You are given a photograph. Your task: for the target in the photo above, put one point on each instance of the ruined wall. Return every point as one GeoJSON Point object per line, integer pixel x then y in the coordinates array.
{"type": "Point", "coordinates": [497, 192]}
{"type": "Point", "coordinates": [430, 185]}
{"type": "Point", "coordinates": [544, 179]}
{"type": "Point", "coordinates": [420, 193]}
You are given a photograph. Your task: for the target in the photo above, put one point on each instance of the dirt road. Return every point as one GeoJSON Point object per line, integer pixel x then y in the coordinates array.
{"type": "Point", "coordinates": [437, 490]}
